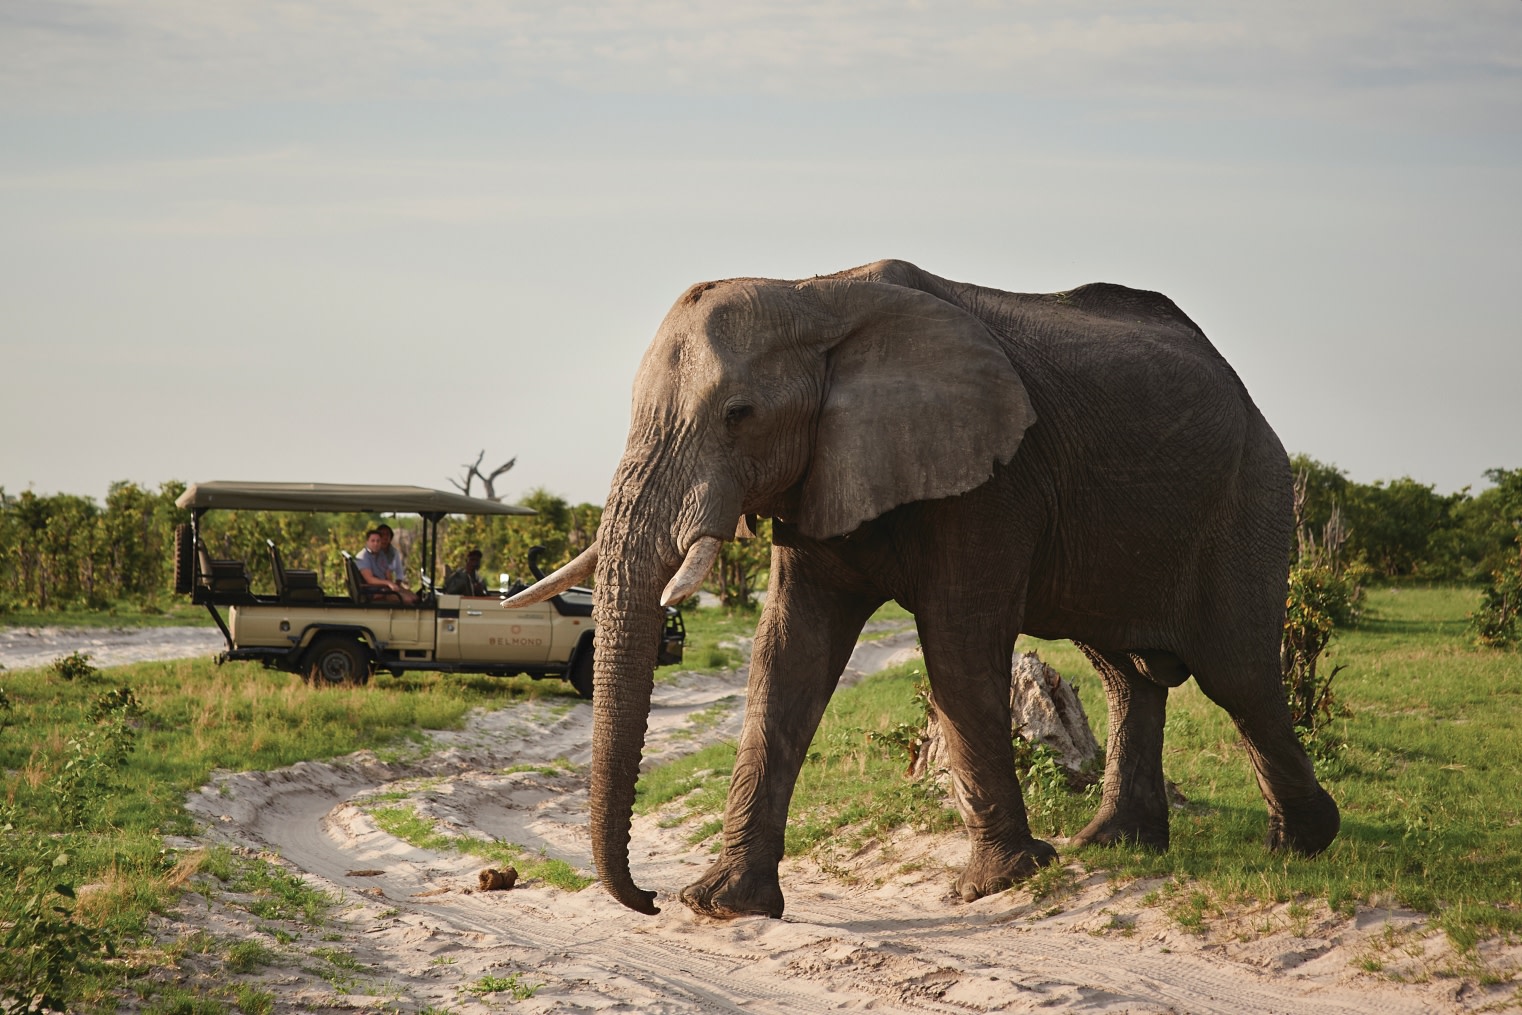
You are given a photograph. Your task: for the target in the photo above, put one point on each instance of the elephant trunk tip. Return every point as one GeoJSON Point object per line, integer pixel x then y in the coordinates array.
{"type": "Point", "coordinates": [636, 899]}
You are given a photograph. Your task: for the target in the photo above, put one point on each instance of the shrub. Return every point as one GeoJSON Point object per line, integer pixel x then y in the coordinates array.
{"type": "Point", "coordinates": [1325, 592]}
{"type": "Point", "coordinates": [1496, 624]}
{"type": "Point", "coordinates": [74, 666]}
{"type": "Point", "coordinates": [44, 947]}
{"type": "Point", "coordinates": [1318, 602]}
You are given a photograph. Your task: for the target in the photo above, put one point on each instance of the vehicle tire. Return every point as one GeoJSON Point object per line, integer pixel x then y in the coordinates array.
{"type": "Point", "coordinates": [337, 662]}
{"type": "Point", "coordinates": [580, 675]}
{"type": "Point", "coordinates": [184, 559]}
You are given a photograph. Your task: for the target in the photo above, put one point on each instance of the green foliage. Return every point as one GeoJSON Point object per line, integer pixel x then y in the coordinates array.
{"type": "Point", "coordinates": [1325, 593]}
{"type": "Point", "coordinates": [74, 666]}
{"type": "Point", "coordinates": [742, 562]}
{"type": "Point", "coordinates": [513, 985]}
{"type": "Point", "coordinates": [908, 737]}
{"type": "Point", "coordinates": [1496, 622]}
{"type": "Point", "coordinates": [65, 551]}
{"type": "Point", "coordinates": [93, 758]}
{"type": "Point", "coordinates": [1319, 601]}
{"type": "Point", "coordinates": [1404, 529]}
{"type": "Point", "coordinates": [562, 529]}
{"type": "Point", "coordinates": [1398, 527]}
{"type": "Point", "coordinates": [44, 948]}
{"type": "Point", "coordinates": [1490, 523]}
{"type": "Point", "coordinates": [1042, 777]}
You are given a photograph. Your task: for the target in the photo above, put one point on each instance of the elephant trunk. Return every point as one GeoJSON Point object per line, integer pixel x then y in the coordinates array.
{"type": "Point", "coordinates": [629, 625]}
{"type": "Point", "coordinates": [654, 518]}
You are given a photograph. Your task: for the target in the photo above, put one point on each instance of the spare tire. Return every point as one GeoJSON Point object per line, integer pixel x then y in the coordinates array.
{"type": "Point", "coordinates": [184, 559]}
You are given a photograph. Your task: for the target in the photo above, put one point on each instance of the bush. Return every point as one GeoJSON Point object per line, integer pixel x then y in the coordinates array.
{"type": "Point", "coordinates": [1325, 592]}
{"type": "Point", "coordinates": [1495, 624]}
{"type": "Point", "coordinates": [44, 947]}
{"type": "Point", "coordinates": [1319, 601]}
{"type": "Point", "coordinates": [74, 666]}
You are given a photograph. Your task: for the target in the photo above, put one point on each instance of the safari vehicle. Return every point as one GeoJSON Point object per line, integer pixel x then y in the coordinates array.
{"type": "Point", "coordinates": [343, 635]}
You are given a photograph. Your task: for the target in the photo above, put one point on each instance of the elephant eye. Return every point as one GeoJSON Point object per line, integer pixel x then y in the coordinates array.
{"type": "Point", "coordinates": [736, 414]}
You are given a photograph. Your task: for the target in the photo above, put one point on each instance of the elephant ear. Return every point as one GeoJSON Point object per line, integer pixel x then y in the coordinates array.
{"type": "Point", "coordinates": [921, 403]}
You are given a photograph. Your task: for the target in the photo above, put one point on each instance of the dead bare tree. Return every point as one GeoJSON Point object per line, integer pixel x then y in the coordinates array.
{"type": "Point", "coordinates": [473, 472]}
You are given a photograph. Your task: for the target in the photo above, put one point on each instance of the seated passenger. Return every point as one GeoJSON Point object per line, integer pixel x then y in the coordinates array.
{"type": "Point", "coordinates": [465, 581]}
{"type": "Point", "coordinates": [380, 563]}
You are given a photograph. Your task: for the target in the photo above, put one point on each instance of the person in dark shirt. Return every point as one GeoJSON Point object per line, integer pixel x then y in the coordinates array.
{"type": "Point", "coordinates": [465, 581]}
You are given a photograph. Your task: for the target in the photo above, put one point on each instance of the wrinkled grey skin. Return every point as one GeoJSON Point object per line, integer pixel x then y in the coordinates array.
{"type": "Point", "coordinates": [1080, 465]}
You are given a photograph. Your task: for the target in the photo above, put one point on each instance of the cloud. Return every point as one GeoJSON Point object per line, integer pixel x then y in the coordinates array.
{"type": "Point", "coordinates": [1330, 60]}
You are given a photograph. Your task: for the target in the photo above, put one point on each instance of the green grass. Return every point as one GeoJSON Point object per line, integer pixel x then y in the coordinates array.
{"type": "Point", "coordinates": [1426, 776]}
{"type": "Point", "coordinates": [707, 626]}
{"type": "Point", "coordinates": [512, 985]}
{"type": "Point", "coordinates": [405, 823]}
{"type": "Point", "coordinates": [90, 803]}
{"type": "Point", "coordinates": [175, 612]}
{"type": "Point", "coordinates": [1426, 767]}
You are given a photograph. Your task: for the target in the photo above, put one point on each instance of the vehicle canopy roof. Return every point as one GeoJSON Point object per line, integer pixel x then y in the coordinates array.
{"type": "Point", "coordinates": [369, 497]}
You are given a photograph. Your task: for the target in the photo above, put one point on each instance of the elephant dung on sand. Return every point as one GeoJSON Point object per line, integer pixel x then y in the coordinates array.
{"type": "Point", "coordinates": [1078, 465]}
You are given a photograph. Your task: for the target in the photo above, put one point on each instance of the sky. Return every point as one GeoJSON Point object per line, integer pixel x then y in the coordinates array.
{"type": "Point", "coordinates": [346, 241]}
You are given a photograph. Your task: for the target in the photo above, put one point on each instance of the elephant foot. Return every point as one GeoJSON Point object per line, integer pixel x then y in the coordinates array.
{"type": "Point", "coordinates": [1307, 828]}
{"type": "Point", "coordinates": [989, 872]}
{"type": "Point", "coordinates": [1118, 826]}
{"type": "Point", "coordinates": [727, 892]}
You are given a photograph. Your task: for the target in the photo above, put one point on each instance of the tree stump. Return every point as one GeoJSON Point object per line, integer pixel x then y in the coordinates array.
{"type": "Point", "coordinates": [1044, 709]}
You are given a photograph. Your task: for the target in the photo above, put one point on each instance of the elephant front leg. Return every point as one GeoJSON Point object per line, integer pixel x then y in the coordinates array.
{"type": "Point", "coordinates": [972, 697]}
{"type": "Point", "coordinates": [792, 674]}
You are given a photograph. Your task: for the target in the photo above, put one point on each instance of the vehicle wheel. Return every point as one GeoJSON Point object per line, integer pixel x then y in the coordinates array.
{"type": "Point", "coordinates": [338, 662]}
{"type": "Point", "coordinates": [581, 672]}
{"type": "Point", "coordinates": [184, 559]}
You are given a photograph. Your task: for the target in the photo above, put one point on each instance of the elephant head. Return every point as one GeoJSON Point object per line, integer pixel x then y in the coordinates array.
{"type": "Point", "coordinates": [822, 403]}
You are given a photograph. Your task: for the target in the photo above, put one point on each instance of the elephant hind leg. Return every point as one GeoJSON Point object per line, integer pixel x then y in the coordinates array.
{"type": "Point", "coordinates": [1302, 816]}
{"type": "Point", "coordinates": [1134, 804]}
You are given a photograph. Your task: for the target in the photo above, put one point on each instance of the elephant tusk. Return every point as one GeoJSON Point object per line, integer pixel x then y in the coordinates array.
{"type": "Point", "coordinates": [700, 558]}
{"type": "Point", "coordinates": [557, 581]}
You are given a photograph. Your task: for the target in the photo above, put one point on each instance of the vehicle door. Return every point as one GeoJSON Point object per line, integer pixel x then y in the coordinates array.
{"type": "Point", "coordinates": [488, 633]}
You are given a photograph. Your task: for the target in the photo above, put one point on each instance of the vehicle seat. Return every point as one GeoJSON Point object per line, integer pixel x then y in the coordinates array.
{"type": "Point", "coordinates": [221, 575]}
{"type": "Point", "coordinates": [361, 592]}
{"type": "Point", "coordinates": [293, 585]}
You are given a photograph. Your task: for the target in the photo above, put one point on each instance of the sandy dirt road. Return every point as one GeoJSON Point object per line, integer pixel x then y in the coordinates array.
{"type": "Point", "coordinates": [27, 647]}
{"type": "Point", "coordinates": [874, 930]}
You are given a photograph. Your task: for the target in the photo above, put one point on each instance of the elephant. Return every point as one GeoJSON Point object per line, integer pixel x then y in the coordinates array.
{"type": "Point", "coordinates": [1078, 465]}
